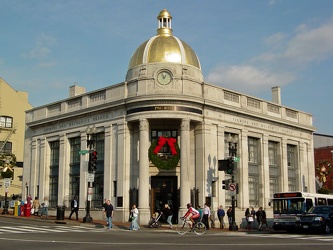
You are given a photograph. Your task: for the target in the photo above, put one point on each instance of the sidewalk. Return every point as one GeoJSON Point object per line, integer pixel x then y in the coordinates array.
{"type": "Point", "coordinates": [119, 225]}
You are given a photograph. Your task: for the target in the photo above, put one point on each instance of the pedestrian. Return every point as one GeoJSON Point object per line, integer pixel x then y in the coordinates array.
{"type": "Point", "coordinates": [253, 213]}
{"type": "Point", "coordinates": [74, 208]}
{"type": "Point", "coordinates": [220, 215]}
{"type": "Point", "coordinates": [104, 205]}
{"type": "Point", "coordinates": [135, 214]}
{"type": "Point", "coordinates": [45, 209]}
{"type": "Point", "coordinates": [249, 219]}
{"type": "Point", "coordinates": [29, 199]}
{"type": "Point", "coordinates": [35, 205]}
{"type": "Point", "coordinates": [229, 214]}
{"type": "Point", "coordinates": [261, 218]}
{"type": "Point", "coordinates": [167, 212]}
{"type": "Point", "coordinates": [109, 213]}
{"type": "Point", "coordinates": [200, 212]}
{"type": "Point", "coordinates": [206, 215]}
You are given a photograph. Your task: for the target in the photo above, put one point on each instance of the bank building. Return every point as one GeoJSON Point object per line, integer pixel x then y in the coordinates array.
{"type": "Point", "coordinates": [159, 136]}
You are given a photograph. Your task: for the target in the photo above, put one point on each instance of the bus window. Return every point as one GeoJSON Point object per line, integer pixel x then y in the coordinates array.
{"type": "Point", "coordinates": [296, 206]}
{"type": "Point", "coordinates": [329, 201]}
{"type": "Point", "coordinates": [308, 204]}
{"type": "Point", "coordinates": [322, 201]}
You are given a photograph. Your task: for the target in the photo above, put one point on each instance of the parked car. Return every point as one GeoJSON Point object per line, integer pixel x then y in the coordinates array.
{"type": "Point", "coordinates": [318, 218]}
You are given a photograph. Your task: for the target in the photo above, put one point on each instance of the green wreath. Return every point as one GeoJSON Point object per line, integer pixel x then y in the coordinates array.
{"type": "Point", "coordinates": [162, 163]}
{"type": "Point", "coordinates": [7, 162]}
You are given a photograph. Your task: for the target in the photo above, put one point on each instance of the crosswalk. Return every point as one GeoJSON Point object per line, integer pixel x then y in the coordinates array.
{"type": "Point", "coordinates": [323, 237]}
{"type": "Point", "coordinates": [19, 229]}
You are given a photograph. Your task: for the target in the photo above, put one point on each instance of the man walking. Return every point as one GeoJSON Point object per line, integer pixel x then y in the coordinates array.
{"type": "Point", "coordinates": [220, 215]}
{"type": "Point", "coordinates": [109, 213]}
{"type": "Point", "coordinates": [74, 208]}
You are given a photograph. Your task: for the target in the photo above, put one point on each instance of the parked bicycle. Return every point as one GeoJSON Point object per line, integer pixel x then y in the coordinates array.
{"type": "Point", "coordinates": [185, 226]}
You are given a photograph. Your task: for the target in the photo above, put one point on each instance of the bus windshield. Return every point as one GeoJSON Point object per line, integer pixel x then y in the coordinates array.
{"type": "Point", "coordinates": [289, 206]}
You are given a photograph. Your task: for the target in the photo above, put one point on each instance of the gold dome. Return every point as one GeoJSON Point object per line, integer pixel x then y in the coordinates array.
{"type": "Point", "coordinates": [164, 47]}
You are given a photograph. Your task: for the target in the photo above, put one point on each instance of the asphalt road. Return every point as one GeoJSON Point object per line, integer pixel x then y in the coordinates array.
{"type": "Point", "coordinates": [26, 235]}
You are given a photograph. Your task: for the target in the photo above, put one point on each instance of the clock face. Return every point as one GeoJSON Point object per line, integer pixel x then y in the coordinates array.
{"type": "Point", "coordinates": [164, 77]}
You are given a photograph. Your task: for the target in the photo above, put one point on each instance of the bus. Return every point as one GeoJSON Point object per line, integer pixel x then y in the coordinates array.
{"type": "Point", "coordinates": [286, 206]}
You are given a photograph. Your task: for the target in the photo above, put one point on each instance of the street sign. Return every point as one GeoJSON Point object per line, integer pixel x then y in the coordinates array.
{"type": "Point", "coordinates": [6, 182]}
{"type": "Point", "coordinates": [232, 189]}
{"type": "Point", "coordinates": [90, 177]}
{"type": "Point", "coordinates": [83, 152]}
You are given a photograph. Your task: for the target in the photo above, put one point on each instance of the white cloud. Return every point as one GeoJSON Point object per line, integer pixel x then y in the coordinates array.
{"type": "Point", "coordinates": [310, 45]}
{"type": "Point", "coordinates": [281, 64]}
{"type": "Point", "coordinates": [42, 48]}
{"type": "Point", "coordinates": [248, 78]}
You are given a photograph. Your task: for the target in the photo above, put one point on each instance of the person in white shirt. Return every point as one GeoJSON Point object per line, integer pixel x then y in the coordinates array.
{"type": "Point", "coordinates": [206, 216]}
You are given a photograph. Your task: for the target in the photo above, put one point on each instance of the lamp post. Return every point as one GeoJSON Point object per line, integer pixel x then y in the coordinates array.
{"type": "Point", "coordinates": [232, 148]}
{"type": "Point", "coordinates": [90, 131]}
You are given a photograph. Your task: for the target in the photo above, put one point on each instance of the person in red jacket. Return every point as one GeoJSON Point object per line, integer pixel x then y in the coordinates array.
{"type": "Point", "coordinates": [192, 213]}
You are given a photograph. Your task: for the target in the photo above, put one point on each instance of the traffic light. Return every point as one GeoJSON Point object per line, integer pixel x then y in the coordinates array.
{"type": "Point", "coordinates": [230, 166]}
{"type": "Point", "coordinates": [93, 163]}
{"type": "Point", "coordinates": [225, 184]}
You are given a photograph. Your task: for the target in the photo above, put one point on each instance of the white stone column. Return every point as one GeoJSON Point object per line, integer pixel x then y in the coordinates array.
{"type": "Point", "coordinates": [108, 155]}
{"type": "Point", "coordinates": [63, 182]}
{"type": "Point", "coordinates": [143, 205]}
{"type": "Point", "coordinates": [284, 166]}
{"type": "Point", "coordinates": [83, 170]}
{"type": "Point", "coordinates": [44, 169]}
{"type": "Point", "coordinates": [122, 170]}
{"type": "Point", "coordinates": [243, 169]}
{"type": "Point", "coordinates": [221, 193]}
{"type": "Point", "coordinates": [185, 187]}
{"type": "Point", "coordinates": [265, 173]}
{"type": "Point", "coordinates": [311, 180]}
{"type": "Point", "coordinates": [30, 179]}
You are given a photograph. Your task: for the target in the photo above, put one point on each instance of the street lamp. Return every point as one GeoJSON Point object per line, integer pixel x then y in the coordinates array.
{"type": "Point", "coordinates": [232, 148]}
{"type": "Point", "coordinates": [90, 131]}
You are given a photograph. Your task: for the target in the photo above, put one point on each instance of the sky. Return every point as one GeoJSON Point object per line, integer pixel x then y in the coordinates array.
{"type": "Point", "coordinates": [248, 46]}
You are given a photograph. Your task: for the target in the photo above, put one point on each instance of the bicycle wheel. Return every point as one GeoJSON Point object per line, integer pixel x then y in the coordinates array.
{"type": "Point", "coordinates": [182, 228]}
{"type": "Point", "coordinates": [199, 228]}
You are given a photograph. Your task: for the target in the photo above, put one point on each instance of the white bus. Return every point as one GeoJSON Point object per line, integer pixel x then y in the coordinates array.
{"type": "Point", "coordinates": [286, 206]}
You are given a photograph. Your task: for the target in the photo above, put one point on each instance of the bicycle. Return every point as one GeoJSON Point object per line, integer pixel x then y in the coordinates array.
{"type": "Point", "coordinates": [185, 226]}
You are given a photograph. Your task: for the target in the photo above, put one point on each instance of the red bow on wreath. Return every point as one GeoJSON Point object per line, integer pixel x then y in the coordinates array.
{"type": "Point", "coordinates": [161, 141]}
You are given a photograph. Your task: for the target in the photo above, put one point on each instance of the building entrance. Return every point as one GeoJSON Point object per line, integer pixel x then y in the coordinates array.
{"type": "Point", "coordinates": [164, 191]}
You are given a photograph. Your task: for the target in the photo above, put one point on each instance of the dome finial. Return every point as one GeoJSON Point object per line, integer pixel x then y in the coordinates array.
{"type": "Point", "coordinates": [164, 23]}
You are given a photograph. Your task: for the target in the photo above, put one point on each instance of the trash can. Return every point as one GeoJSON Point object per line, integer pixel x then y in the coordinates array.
{"type": "Point", "coordinates": [27, 210]}
{"type": "Point", "coordinates": [16, 209]}
{"type": "Point", "coordinates": [60, 213]}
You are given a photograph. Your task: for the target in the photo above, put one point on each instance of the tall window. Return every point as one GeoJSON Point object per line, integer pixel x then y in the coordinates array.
{"type": "Point", "coordinates": [74, 167]}
{"type": "Point", "coordinates": [273, 167]}
{"type": "Point", "coordinates": [54, 173]}
{"type": "Point", "coordinates": [7, 147]}
{"type": "Point", "coordinates": [292, 167]}
{"type": "Point", "coordinates": [155, 134]}
{"type": "Point", "coordinates": [6, 122]}
{"type": "Point", "coordinates": [97, 199]}
{"type": "Point", "coordinates": [253, 148]}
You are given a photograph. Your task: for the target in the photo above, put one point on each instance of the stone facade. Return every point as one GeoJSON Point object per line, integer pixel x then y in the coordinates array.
{"type": "Point", "coordinates": [274, 144]}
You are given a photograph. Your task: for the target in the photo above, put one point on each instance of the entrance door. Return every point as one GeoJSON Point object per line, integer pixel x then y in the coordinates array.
{"type": "Point", "coordinates": [164, 191]}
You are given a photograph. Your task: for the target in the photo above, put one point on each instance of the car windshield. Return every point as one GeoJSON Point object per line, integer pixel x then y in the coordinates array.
{"type": "Point", "coordinates": [320, 210]}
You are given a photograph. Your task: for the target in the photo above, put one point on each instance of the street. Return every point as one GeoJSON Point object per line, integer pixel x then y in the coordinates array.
{"type": "Point", "coordinates": [34, 234]}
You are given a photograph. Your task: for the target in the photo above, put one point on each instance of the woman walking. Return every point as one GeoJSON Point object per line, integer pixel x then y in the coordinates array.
{"type": "Point", "coordinates": [135, 214]}
{"type": "Point", "coordinates": [168, 213]}
{"type": "Point", "coordinates": [248, 218]}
